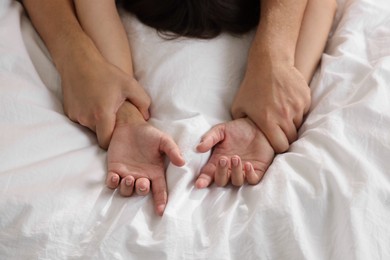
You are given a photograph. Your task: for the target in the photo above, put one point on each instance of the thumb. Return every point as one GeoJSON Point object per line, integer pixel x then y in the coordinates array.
{"type": "Point", "coordinates": [170, 148]}
{"type": "Point", "coordinates": [211, 138]}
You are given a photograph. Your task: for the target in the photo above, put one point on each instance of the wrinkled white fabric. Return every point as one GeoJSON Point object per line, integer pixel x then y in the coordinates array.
{"type": "Point", "coordinates": [328, 197]}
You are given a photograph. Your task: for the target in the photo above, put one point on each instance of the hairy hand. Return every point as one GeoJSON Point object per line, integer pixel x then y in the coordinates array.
{"type": "Point", "coordinates": [276, 97]}
{"type": "Point", "coordinates": [94, 90]}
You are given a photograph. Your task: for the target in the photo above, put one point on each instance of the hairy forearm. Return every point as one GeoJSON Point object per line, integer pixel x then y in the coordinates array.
{"type": "Point", "coordinates": [93, 88]}
{"type": "Point", "coordinates": [278, 30]}
{"type": "Point", "coordinates": [108, 34]}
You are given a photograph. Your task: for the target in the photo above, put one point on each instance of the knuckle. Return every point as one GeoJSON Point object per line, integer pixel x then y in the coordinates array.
{"type": "Point", "coordinates": [281, 147]}
{"type": "Point", "coordinates": [304, 101]}
{"type": "Point", "coordinates": [99, 114]}
{"type": "Point", "coordinates": [66, 109]}
{"type": "Point", "coordinates": [72, 117]}
{"type": "Point", "coordinates": [307, 102]}
{"type": "Point", "coordinates": [285, 113]}
{"type": "Point", "coordinates": [83, 120]}
{"type": "Point", "coordinates": [268, 118]}
{"type": "Point", "coordinates": [129, 83]}
{"type": "Point", "coordinates": [147, 101]}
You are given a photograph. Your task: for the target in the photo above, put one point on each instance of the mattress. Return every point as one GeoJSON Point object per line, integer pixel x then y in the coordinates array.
{"type": "Point", "coordinates": [327, 197]}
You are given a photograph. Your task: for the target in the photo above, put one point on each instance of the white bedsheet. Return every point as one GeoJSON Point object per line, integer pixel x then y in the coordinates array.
{"type": "Point", "coordinates": [327, 198]}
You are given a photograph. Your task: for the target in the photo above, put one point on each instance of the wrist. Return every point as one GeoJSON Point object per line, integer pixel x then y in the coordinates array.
{"type": "Point", "coordinates": [269, 53]}
{"type": "Point", "coordinates": [128, 114]}
{"type": "Point", "coordinates": [266, 63]}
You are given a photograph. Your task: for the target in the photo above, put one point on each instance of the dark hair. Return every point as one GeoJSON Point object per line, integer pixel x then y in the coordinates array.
{"type": "Point", "coordinates": [196, 18]}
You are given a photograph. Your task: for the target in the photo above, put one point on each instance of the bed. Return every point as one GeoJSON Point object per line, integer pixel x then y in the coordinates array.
{"type": "Point", "coordinates": [328, 197]}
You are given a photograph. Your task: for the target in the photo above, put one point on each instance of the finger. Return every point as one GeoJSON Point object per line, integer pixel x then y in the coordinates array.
{"type": "Point", "coordinates": [211, 138]}
{"type": "Point", "coordinates": [142, 109]}
{"type": "Point", "coordinates": [290, 131]}
{"type": "Point", "coordinates": [142, 186]}
{"type": "Point", "coordinates": [160, 196]}
{"type": "Point", "coordinates": [274, 134]}
{"type": "Point", "coordinates": [85, 121]}
{"type": "Point", "coordinates": [307, 101]}
{"type": "Point", "coordinates": [70, 116]}
{"type": "Point", "coordinates": [169, 147]}
{"type": "Point", "coordinates": [276, 137]}
{"type": "Point", "coordinates": [237, 175]}
{"type": "Point", "coordinates": [222, 172]}
{"type": "Point", "coordinates": [252, 177]}
{"type": "Point", "coordinates": [127, 186]}
{"type": "Point", "coordinates": [297, 120]}
{"type": "Point", "coordinates": [104, 129]}
{"type": "Point", "coordinates": [112, 180]}
{"type": "Point", "coordinates": [206, 176]}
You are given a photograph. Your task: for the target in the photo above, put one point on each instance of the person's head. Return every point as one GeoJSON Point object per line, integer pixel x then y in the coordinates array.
{"type": "Point", "coordinates": [196, 18]}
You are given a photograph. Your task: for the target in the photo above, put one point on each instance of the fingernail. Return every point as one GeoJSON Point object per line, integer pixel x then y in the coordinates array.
{"type": "Point", "coordinates": [128, 182]}
{"type": "Point", "coordinates": [235, 161]}
{"type": "Point", "coordinates": [114, 178]}
{"type": "Point", "coordinates": [248, 167]}
{"type": "Point", "coordinates": [222, 162]}
{"type": "Point", "coordinates": [142, 189]}
{"type": "Point", "coordinates": [160, 209]}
